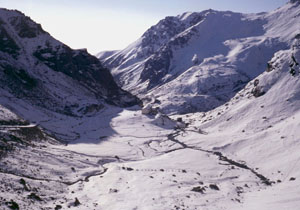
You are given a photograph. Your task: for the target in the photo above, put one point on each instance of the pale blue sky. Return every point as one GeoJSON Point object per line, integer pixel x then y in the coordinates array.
{"type": "Point", "coordinates": [113, 24]}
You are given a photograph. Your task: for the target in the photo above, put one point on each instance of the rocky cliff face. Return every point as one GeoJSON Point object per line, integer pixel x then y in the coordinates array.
{"type": "Point", "coordinates": [46, 73]}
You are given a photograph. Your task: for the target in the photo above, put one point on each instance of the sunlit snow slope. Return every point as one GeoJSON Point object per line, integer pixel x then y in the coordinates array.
{"type": "Point", "coordinates": [198, 61]}
{"type": "Point", "coordinates": [244, 154]}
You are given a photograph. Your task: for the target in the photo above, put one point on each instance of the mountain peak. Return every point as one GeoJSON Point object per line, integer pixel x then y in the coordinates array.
{"type": "Point", "coordinates": [45, 72]}
{"type": "Point", "coordinates": [163, 56]}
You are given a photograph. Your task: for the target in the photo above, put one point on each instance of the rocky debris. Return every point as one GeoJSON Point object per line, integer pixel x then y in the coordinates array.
{"type": "Point", "coordinates": [180, 124]}
{"type": "Point", "coordinates": [113, 190]}
{"type": "Point", "coordinates": [76, 202]}
{"type": "Point", "coordinates": [270, 67]}
{"type": "Point", "coordinates": [239, 190]}
{"type": "Point", "coordinates": [25, 185]}
{"type": "Point", "coordinates": [214, 187]}
{"type": "Point", "coordinates": [160, 118]}
{"type": "Point", "coordinates": [199, 189]}
{"type": "Point", "coordinates": [164, 120]}
{"type": "Point", "coordinates": [13, 205]}
{"type": "Point", "coordinates": [58, 207]}
{"type": "Point", "coordinates": [257, 91]}
{"type": "Point", "coordinates": [294, 66]}
{"type": "Point", "coordinates": [34, 196]}
{"type": "Point", "coordinates": [127, 168]}
{"type": "Point", "coordinates": [149, 110]}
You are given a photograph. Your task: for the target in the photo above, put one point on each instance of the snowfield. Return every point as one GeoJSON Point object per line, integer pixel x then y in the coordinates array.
{"type": "Point", "coordinates": [198, 61]}
{"type": "Point", "coordinates": [243, 154]}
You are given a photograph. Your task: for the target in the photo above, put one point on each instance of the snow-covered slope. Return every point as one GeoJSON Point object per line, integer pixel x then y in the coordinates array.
{"type": "Point", "coordinates": [43, 80]}
{"type": "Point", "coordinates": [45, 72]}
{"type": "Point", "coordinates": [263, 131]}
{"type": "Point", "coordinates": [186, 61]}
{"type": "Point", "coordinates": [47, 91]}
{"type": "Point", "coordinates": [105, 54]}
{"type": "Point", "coordinates": [242, 155]}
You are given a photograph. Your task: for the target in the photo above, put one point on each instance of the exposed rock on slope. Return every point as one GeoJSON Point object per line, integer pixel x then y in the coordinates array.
{"type": "Point", "coordinates": [46, 73]}
{"type": "Point", "coordinates": [51, 86]}
{"type": "Point", "coordinates": [263, 131]}
{"type": "Point", "coordinates": [161, 63]}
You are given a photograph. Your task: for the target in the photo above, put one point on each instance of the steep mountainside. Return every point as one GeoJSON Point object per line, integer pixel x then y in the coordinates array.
{"type": "Point", "coordinates": [48, 74]}
{"type": "Point", "coordinates": [198, 61]}
{"type": "Point", "coordinates": [243, 154]}
{"type": "Point", "coordinates": [47, 92]}
{"type": "Point", "coordinates": [260, 126]}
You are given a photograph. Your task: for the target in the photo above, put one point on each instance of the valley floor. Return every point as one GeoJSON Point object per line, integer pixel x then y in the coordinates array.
{"type": "Point", "coordinates": [142, 162]}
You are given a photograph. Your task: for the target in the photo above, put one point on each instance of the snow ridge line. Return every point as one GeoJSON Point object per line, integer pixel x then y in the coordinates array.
{"type": "Point", "coordinates": [221, 157]}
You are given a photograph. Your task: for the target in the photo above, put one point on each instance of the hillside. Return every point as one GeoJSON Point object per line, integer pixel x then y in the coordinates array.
{"type": "Point", "coordinates": [242, 155]}
{"type": "Point", "coordinates": [45, 88]}
{"type": "Point", "coordinates": [70, 139]}
{"type": "Point", "coordinates": [191, 62]}
{"type": "Point", "coordinates": [46, 73]}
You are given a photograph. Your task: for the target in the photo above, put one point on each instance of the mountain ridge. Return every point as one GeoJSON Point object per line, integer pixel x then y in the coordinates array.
{"type": "Point", "coordinates": [243, 47]}
{"type": "Point", "coordinates": [33, 60]}
{"type": "Point", "coordinates": [78, 152]}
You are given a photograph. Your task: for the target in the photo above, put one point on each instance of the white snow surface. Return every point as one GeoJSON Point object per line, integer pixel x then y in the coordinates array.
{"type": "Point", "coordinates": [243, 154]}
{"type": "Point", "coordinates": [123, 159]}
{"type": "Point", "coordinates": [228, 45]}
{"type": "Point", "coordinates": [7, 115]}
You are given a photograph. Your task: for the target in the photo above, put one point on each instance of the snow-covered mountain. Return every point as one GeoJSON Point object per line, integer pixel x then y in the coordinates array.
{"type": "Point", "coordinates": [198, 61]}
{"type": "Point", "coordinates": [47, 91]}
{"type": "Point", "coordinates": [105, 54]}
{"type": "Point", "coordinates": [243, 154]}
{"type": "Point", "coordinates": [46, 73]}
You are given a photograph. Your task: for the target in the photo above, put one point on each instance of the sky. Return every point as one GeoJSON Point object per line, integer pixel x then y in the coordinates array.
{"type": "Point", "coordinates": [100, 25]}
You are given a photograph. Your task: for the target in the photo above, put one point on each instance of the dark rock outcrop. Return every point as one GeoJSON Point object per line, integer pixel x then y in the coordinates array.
{"type": "Point", "coordinates": [43, 71]}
